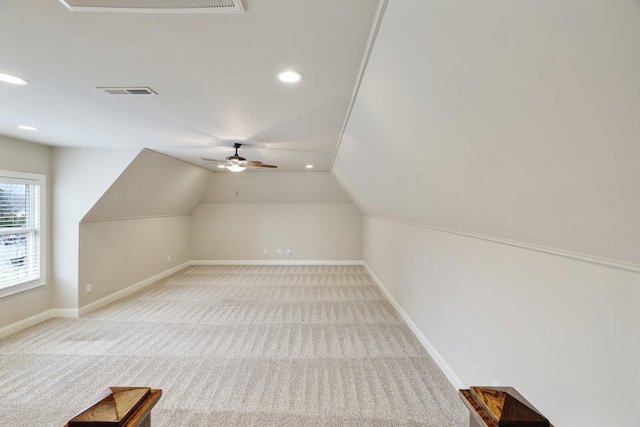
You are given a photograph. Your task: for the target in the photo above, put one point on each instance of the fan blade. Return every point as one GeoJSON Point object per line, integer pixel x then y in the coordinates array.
{"type": "Point", "coordinates": [213, 160]}
{"type": "Point", "coordinates": [260, 164]}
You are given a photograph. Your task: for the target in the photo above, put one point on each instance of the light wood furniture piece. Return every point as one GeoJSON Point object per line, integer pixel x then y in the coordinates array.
{"type": "Point", "coordinates": [500, 407]}
{"type": "Point", "coordinates": [119, 407]}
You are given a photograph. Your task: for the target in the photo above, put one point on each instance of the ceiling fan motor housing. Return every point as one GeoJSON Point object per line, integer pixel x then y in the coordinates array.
{"type": "Point", "coordinates": [236, 158]}
{"type": "Point", "coordinates": [239, 162]}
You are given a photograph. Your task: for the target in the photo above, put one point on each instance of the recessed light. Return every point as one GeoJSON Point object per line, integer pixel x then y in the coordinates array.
{"type": "Point", "coordinates": [8, 78]}
{"type": "Point", "coordinates": [309, 166]}
{"type": "Point", "coordinates": [290, 76]}
{"type": "Point", "coordinates": [27, 127]}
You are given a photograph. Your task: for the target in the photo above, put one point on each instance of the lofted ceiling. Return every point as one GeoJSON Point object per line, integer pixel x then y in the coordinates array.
{"type": "Point", "coordinates": [214, 73]}
{"type": "Point", "coordinates": [516, 120]}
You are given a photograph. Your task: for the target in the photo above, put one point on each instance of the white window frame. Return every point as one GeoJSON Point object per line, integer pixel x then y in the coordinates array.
{"type": "Point", "coordinates": [41, 235]}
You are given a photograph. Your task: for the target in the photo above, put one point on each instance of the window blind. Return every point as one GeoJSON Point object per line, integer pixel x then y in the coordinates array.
{"type": "Point", "coordinates": [19, 229]}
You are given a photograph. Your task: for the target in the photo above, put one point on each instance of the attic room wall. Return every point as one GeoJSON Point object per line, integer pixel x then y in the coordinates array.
{"type": "Point", "coordinates": [80, 178]}
{"type": "Point", "coordinates": [140, 226]}
{"type": "Point", "coordinates": [558, 329]}
{"type": "Point", "coordinates": [242, 214]}
{"type": "Point", "coordinates": [115, 255]}
{"type": "Point", "coordinates": [22, 156]}
{"type": "Point", "coordinates": [514, 134]}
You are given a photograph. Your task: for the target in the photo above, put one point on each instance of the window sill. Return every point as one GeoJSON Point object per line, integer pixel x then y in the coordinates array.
{"type": "Point", "coordinates": [22, 287]}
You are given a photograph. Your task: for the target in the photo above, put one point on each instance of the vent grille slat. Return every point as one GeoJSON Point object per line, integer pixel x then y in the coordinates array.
{"type": "Point", "coordinates": [158, 6]}
{"type": "Point", "coordinates": [128, 90]}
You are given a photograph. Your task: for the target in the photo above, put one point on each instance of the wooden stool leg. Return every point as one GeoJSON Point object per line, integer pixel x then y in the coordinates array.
{"type": "Point", "coordinates": [146, 422]}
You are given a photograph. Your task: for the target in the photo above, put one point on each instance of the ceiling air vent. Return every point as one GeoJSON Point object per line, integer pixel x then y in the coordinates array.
{"type": "Point", "coordinates": [155, 6]}
{"type": "Point", "coordinates": [128, 90]}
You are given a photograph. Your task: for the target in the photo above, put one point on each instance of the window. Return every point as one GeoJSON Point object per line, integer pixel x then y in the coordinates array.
{"type": "Point", "coordinates": [21, 241]}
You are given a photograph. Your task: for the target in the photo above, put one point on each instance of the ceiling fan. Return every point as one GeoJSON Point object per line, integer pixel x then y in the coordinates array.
{"type": "Point", "coordinates": [237, 163]}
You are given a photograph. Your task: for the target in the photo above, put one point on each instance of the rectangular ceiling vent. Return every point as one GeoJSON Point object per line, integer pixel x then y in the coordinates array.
{"type": "Point", "coordinates": [155, 6]}
{"type": "Point", "coordinates": [128, 90]}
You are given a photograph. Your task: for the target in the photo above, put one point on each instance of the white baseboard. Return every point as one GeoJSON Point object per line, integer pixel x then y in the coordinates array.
{"type": "Point", "coordinates": [64, 312]}
{"type": "Point", "coordinates": [442, 364]}
{"type": "Point", "coordinates": [73, 312]}
{"type": "Point", "coordinates": [128, 291]}
{"type": "Point", "coordinates": [25, 323]}
{"type": "Point", "coordinates": [276, 262]}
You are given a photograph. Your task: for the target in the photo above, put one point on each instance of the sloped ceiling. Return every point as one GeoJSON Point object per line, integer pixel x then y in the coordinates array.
{"type": "Point", "coordinates": [152, 185]}
{"type": "Point", "coordinates": [274, 188]}
{"type": "Point", "coordinates": [517, 120]}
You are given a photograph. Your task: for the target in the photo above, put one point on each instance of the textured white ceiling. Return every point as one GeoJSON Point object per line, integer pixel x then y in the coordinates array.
{"type": "Point", "coordinates": [215, 75]}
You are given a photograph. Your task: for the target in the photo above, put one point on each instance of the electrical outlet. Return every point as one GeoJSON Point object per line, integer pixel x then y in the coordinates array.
{"type": "Point", "coordinates": [169, 258]}
{"type": "Point", "coordinates": [288, 253]}
{"type": "Point", "coordinates": [495, 382]}
{"type": "Point", "coordinates": [278, 251]}
{"type": "Point", "coordinates": [400, 288]}
{"type": "Point", "coordinates": [264, 251]}
{"type": "Point", "coordinates": [89, 287]}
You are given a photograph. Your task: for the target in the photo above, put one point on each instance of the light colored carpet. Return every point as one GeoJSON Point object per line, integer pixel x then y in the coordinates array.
{"type": "Point", "coordinates": [236, 346]}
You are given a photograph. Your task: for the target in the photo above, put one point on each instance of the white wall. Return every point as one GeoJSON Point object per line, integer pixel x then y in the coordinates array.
{"type": "Point", "coordinates": [22, 156]}
{"type": "Point", "coordinates": [562, 331]}
{"type": "Point", "coordinates": [80, 178]}
{"type": "Point", "coordinates": [242, 231]}
{"type": "Point", "coordinates": [117, 254]}
{"type": "Point", "coordinates": [143, 219]}
{"type": "Point", "coordinates": [516, 121]}
{"type": "Point", "coordinates": [307, 212]}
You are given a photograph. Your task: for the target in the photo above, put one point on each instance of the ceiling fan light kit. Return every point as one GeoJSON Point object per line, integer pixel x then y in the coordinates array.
{"type": "Point", "coordinates": [236, 168]}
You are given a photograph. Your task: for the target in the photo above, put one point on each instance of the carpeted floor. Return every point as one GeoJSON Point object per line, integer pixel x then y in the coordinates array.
{"type": "Point", "coordinates": [236, 346]}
